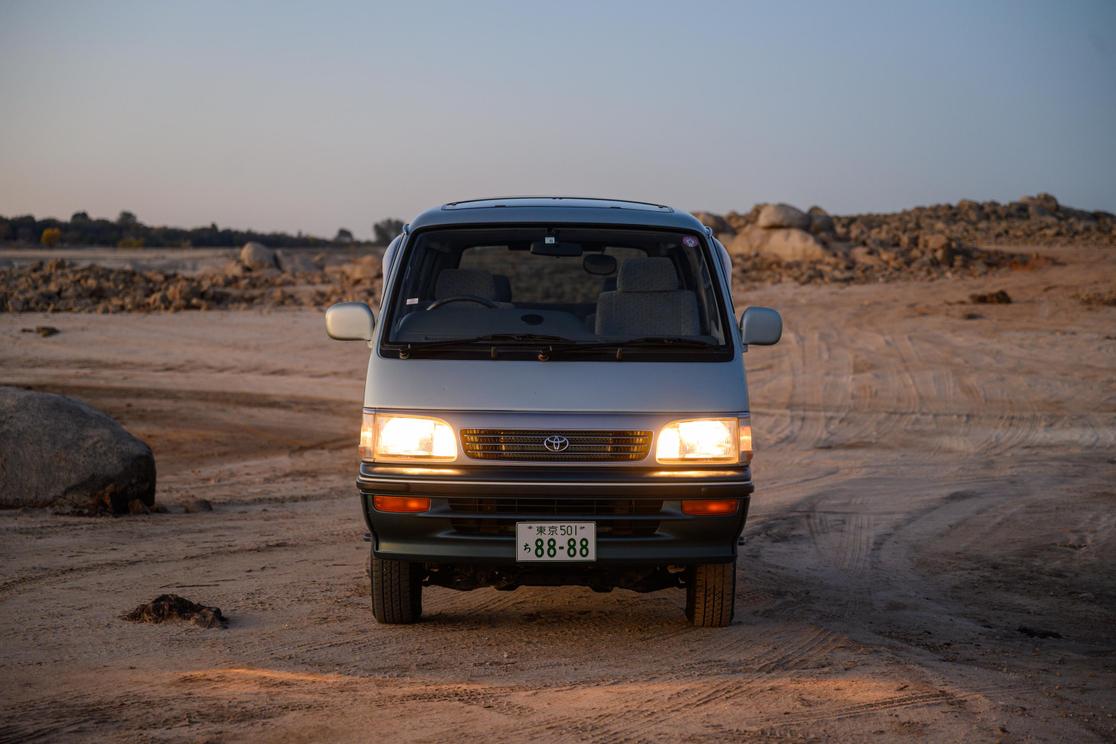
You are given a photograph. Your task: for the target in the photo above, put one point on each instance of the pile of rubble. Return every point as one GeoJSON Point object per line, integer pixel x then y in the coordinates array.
{"type": "Point", "coordinates": [771, 243]}
{"type": "Point", "coordinates": [777, 242]}
{"type": "Point", "coordinates": [260, 277]}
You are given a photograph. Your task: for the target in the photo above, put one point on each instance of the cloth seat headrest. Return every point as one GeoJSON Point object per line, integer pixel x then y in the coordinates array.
{"type": "Point", "coordinates": [647, 275]}
{"type": "Point", "coordinates": [457, 282]}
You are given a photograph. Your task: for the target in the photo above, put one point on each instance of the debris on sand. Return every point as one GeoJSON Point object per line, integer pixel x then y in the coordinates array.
{"type": "Point", "coordinates": [44, 331]}
{"type": "Point", "coordinates": [1097, 299]}
{"type": "Point", "coordinates": [197, 506]}
{"type": "Point", "coordinates": [173, 607]}
{"type": "Point", "coordinates": [1038, 632]}
{"type": "Point", "coordinates": [999, 297]}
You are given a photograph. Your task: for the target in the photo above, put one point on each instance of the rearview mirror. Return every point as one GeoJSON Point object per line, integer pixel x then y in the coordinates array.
{"type": "Point", "coordinates": [350, 321]}
{"type": "Point", "coordinates": [551, 247]}
{"type": "Point", "coordinates": [761, 326]}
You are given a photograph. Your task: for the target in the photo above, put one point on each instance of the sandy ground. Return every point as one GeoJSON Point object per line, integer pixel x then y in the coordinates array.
{"type": "Point", "coordinates": [928, 485]}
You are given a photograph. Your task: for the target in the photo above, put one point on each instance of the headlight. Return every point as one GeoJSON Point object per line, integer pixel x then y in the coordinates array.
{"type": "Point", "coordinates": [720, 440]}
{"type": "Point", "coordinates": [388, 438]}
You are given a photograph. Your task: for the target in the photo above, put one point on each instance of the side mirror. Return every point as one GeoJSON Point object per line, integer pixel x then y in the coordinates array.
{"type": "Point", "coordinates": [350, 321]}
{"type": "Point", "coordinates": [761, 326]}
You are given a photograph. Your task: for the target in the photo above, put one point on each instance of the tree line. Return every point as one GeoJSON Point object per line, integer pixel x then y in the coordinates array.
{"type": "Point", "coordinates": [126, 231]}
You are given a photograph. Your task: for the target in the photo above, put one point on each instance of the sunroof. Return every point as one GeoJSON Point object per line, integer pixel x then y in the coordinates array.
{"type": "Point", "coordinates": [557, 201]}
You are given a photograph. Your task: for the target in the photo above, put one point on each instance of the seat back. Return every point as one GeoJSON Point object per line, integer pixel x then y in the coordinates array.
{"type": "Point", "coordinates": [459, 282]}
{"type": "Point", "coordinates": [647, 302]}
{"type": "Point", "coordinates": [503, 288]}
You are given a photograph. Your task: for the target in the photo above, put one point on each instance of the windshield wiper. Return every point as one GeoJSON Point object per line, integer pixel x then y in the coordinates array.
{"type": "Point", "coordinates": [517, 339]}
{"type": "Point", "coordinates": [642, 342]}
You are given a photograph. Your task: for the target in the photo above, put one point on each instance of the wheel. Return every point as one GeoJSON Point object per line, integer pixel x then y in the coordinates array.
{"type": "Point", "coordinates": [711, 594]}
{"type": "Point", "coordinates": [396, 590]}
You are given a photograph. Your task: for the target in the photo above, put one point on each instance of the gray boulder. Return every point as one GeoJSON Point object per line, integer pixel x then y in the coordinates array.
{"type": "Point", "coordinates": [718, 224]}
{"type": "Point", "coordinates": [820, 221]}
{"type": "Point", "coordinates": [1043, 201]}
{"type": "Point", "coordinates": [782, 215]}
{"type": "Point", "coordinates": [60, 453]}
{"type": "Point", "coordinates": [257, 257]}
{"type": "Point", "coordinates": [297, 262]}
{"type": "Point", "coordinates": [786, 244]}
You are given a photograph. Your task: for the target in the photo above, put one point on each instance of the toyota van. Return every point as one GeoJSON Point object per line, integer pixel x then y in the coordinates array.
{"type": "Point", "coordinates": [556, 395]}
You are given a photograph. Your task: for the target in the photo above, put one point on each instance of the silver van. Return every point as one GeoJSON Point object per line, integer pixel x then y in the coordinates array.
{"type": "Point", "coordinates": [556, 395]}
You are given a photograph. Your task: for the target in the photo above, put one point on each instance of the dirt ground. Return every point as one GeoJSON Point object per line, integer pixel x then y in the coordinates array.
{"type": "Point", "coordinates": [935, 493]}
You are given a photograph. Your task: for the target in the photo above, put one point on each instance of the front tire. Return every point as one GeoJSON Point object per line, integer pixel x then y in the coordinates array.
{"type": "Point", "coordinates": [396, 590]}
{"type": "Point", "coordinates": [711, 594]}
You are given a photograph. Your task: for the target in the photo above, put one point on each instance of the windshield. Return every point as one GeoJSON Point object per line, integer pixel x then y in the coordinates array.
{"type": "Point", "coordinates": [575, 292]}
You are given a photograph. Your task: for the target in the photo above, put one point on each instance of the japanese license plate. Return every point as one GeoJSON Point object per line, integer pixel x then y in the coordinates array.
{"type": "Point", "coordinates": [556, 541]}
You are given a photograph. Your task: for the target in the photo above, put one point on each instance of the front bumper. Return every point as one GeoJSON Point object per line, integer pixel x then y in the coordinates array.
{"type": "Point", "coordinates": [473, 511]}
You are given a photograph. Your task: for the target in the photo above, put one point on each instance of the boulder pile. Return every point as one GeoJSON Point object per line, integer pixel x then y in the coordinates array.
{"type": "Point", "coordinates": [778, 242]}
{"type": "Point", "coordinates": [261, 278]}
{"type": "Point", "coordinates": [770, 243]}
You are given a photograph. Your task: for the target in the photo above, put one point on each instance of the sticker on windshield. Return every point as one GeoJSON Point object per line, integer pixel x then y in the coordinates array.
{"type": "Point", "coordinates": [412, 300]}
{"type": "Point", "coordinates": [690, 241]}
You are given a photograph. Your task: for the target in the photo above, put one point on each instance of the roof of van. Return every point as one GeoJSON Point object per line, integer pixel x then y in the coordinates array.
{"type": "Point", "coordinates": [555, 209]}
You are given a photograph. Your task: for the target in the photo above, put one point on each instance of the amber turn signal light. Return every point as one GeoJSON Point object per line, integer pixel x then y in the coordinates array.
{"type": "Point", "coordinates": [710, 507]}
{"type": "Point", "coordinates": [401, 504]}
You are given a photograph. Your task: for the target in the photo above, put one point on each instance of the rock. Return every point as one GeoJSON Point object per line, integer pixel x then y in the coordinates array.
{"type": "Point", "coordinates": [364, 269]}
{"type": "Point", "coordinates": [60, 453]}
{"type": "Point", "coordinates": [234, 269]}
{"type": "Point", "coordinates": [738, 221]}
{"type": "Point", "coordinates": [782, 215]}
{"type": "Point", "coordinates": [197, 506]}
{"type": "Point", "coordinates": [999, 297]}
{"type": "Point", "coordinates": [297, 262]}
{"type": "Point", "coordinates": [44, 331]}
{"type": "Point", "coordinates": [1037, 632]}
{"type": "Point", "coordinates": [173, 607]}
{"type": "Point", "coordinates": [257, 256]}
{"type": "Point", "coordinates": [1042, 200]}
{"type": "Point", "coordinates": [934, 241]}
{"type": "Point", "coordinates": [939, 246]}
{"type": "Point", "coordinates": [820, 221]}
{"type": "Point", "coordinates": [786, 244]}
{"type": "Point", "coordinates": [864, 256]}
{"type": "Point", "coordinates": [715, 222]}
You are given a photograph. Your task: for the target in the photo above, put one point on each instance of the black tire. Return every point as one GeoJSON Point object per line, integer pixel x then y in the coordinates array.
{"type": "Point", "coordinates": [711, 594]}
{"type": "Point", "coordinates": [396, 590]}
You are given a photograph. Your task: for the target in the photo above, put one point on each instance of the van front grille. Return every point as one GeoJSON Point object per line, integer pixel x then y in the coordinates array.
{"type": "Point", "coordinates": [575, 445]}
{"type": "Point", "coordinates": [488, 515]}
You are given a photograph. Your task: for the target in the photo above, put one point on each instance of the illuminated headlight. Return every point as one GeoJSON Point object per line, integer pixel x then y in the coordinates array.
{"type": "Point", "coordinates": [385, 437]}
{"type": "Point", "coordinates": [719, 440]}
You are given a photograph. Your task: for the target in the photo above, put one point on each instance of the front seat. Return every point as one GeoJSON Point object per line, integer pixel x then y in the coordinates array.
{"type": "Point", "coordinates": [503, 288]}
{"type": "Point", "coordinates": [647, 302]}
{"type": "Point", "coordinates": [460, 282]}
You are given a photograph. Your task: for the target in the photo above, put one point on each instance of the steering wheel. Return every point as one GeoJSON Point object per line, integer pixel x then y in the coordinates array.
{"type": "Point", "coordinates": [462, 298]}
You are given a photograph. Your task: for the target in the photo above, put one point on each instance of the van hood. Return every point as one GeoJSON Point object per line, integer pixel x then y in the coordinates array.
{"type": "Point", "coordinates": [531, 386]}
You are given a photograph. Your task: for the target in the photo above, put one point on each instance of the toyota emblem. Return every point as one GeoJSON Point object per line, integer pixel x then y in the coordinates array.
{"type": "Point", "coordinates": [556, 443]}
